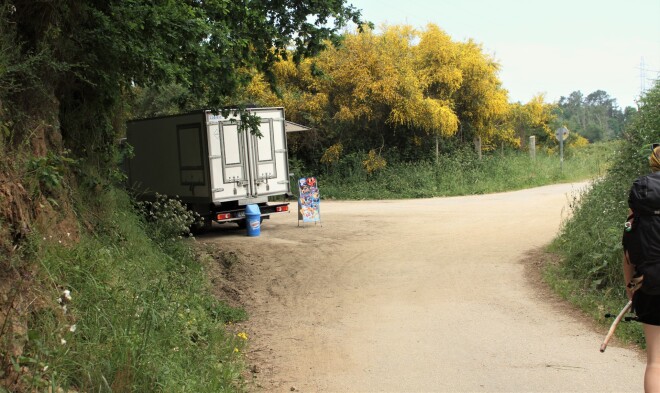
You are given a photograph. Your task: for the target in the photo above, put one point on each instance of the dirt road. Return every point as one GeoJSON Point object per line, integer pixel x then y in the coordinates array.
{"type": "Point", "coordinates": [425, 295]}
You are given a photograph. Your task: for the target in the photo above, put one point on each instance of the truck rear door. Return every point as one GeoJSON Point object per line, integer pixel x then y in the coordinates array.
{"type": "Point", "coordinates": [230, 177]}
{"type": "Point", "coordinates": [268, 160]}
{"type": "Point", "coordinates": [243, 166]}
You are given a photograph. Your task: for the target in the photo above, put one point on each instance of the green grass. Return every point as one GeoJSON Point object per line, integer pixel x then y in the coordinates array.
{"type": "Point", "coordinates": [143, 314]}
{"type": "Point", "coordinates": [594, 303]}
{"type": "Point", "coordinates": [461, 173]}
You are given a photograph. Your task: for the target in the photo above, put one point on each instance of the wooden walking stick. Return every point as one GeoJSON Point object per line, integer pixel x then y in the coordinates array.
{"type": "Point", "coordinates": [618, 318]}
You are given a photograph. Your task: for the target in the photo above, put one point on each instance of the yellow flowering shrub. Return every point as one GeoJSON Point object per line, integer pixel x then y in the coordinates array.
{"type": "Point", "coordinates": [578, 141]}
{"type": "Point", "coordinates": [332, 154]}
{"type": "Point", "coordinates": [374, 162]}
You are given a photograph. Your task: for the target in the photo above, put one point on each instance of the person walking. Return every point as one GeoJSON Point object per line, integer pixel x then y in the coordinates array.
{"type": "Point", "coordinates": [641, 263]}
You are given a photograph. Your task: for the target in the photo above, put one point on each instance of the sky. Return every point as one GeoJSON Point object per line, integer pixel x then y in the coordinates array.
{"type": "Point", "coordinates": [554, 47]}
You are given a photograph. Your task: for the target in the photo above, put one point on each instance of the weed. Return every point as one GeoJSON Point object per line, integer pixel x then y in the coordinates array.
{"type": "Point", "coordinates": [50, 169]}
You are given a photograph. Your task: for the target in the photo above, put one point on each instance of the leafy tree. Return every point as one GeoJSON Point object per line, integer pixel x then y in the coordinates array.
{"type": "Point", "coordinates": [596, 116]}
{"type": "Point", "coordinates": [395, 89]}
{"type": "Point", "coordinates": [437, 65]}
{"type": "Point", "coordinates": [533, 118]}
{"type": "Point", "coordinates": [481, 102]}
{"type": "Point", "coordinates": [87, 55]}
{"type": "Point", "coordinates": [371, 88]}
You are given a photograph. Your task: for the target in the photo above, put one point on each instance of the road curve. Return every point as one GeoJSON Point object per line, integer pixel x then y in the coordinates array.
{"type": "Point", "coordinates": [426, 295]}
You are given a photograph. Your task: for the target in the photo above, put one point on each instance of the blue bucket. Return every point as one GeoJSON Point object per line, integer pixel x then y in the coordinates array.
{"type": "Point", "coordinates": [253, 220]}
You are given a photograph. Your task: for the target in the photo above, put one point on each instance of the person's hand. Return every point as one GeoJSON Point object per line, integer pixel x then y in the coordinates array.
{"type": "Point", "coordinates": [629, 292]}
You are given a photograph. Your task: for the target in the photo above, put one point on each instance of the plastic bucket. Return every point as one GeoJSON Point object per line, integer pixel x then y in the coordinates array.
{"type": "Point", "coordinates": [253, 220]}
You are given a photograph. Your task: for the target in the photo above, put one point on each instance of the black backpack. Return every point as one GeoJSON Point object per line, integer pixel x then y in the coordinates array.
{"type": "Point", "coordinates": [643, 240]}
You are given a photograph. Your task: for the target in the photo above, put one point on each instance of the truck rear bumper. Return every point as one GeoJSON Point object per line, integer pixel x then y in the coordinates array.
{"type": "Point", "coordinates": [239, 214]}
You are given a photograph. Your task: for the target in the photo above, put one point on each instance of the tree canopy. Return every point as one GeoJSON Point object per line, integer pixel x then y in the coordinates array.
{"type": "Point", "coordinates": [400, 89]}
{"type": "Point", "coordinates": [596, 116]}
{"type": "Point", "coordinates": [84, 56]}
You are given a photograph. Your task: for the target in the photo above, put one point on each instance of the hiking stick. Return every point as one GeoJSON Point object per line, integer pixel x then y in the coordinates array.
{"type": "Point", "coordinates": [625, 309]}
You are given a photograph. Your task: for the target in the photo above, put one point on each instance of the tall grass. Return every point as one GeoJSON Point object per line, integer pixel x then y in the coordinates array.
{"type": "Point", "coordinates": [462, 173]}
{"type": "Point", "coordinates": [138, 316]}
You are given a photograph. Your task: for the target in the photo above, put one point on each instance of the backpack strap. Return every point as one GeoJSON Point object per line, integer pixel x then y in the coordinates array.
{"type": "Point", "coordinates": [648, 213]}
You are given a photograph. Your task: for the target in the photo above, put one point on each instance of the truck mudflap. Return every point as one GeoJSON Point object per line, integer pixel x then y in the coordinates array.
{"type": "Point", "coordinates": [239, 214]}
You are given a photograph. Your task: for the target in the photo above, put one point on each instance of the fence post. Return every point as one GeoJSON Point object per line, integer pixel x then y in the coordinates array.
{"type": "Point", "coordinates": [532, 147]}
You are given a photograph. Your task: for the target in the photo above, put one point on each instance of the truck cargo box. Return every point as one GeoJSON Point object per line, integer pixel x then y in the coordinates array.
{"type": "Point", "coordinates": [206, 162]}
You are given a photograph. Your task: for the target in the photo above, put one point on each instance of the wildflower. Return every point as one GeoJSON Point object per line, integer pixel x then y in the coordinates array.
{"type": "Point", "coordinates": [72, 328]}
{"type": "Point", "coordinates": [242, 335]}
{"type": "Point", "coordinates": [62, 341]}
{"type": "Point", "coordinates": [175, 349]}
{"type": "Point", "coordinates": [67, 295]}
{"type": "Point", "coordinates": [235, 349]}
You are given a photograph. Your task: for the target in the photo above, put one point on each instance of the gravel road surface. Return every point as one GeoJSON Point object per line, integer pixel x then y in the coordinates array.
{"type": "Point", "coordinates": [427, 295]}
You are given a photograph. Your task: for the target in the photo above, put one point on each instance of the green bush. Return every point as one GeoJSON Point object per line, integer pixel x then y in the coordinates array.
{"type": "Point", "coordinates": [169, 219]}
{"type": "Point", "coordinates": [590, 242]}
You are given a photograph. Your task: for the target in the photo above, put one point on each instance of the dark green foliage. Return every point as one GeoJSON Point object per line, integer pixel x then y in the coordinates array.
{"type": "Point", "coordinates": [591, 240]}
{"type": "Point", "coordinates": [67, 72]}
{"type": "Point", "coordinates": [88, 54]}
{"type": "Point", "coordinates": [50, 170]}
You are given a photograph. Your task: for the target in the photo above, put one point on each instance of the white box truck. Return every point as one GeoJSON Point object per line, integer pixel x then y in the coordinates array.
{"type": "Point", "coordinates": [205, 161]}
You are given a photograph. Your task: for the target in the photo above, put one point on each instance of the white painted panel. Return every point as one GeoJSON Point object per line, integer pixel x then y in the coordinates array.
{"type": "Point", "coordinates": [232, 151]}
{"type": "Point", "coordinates": [214, 140]}
{"type": "Point", "coordinates": [266, 170]}
{"type": "Point", "coordinates": [273, 113]}
{"type": "Point", "coordinates": [235, 173]}
{"type": "Point", "coordinates": [265, 143]}
{"type": "Point", "coordinates": [278, 135]}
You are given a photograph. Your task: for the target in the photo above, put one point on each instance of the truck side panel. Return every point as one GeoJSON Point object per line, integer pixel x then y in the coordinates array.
{"type": "Point", "coordinates": [170, 157]}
